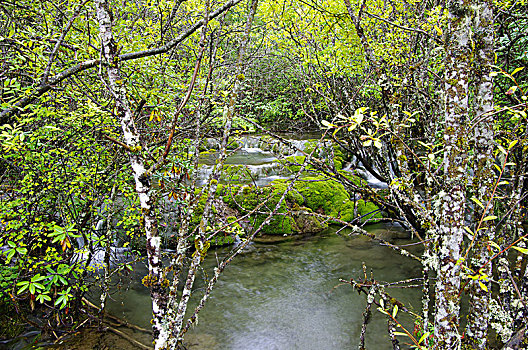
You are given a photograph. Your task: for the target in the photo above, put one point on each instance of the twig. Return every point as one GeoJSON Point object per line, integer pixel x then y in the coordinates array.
{"type": "Point", "coordinates": [130, 339]}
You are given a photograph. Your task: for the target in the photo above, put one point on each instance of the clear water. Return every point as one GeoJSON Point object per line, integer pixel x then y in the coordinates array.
{"type": "Point", "coordinates": [287, 296]}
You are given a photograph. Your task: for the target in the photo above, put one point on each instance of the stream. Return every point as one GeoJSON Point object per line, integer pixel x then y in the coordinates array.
{"type": "Point", "coordinates": [273, 296]}
{"type": "Point", "coordinates": [282, 296]}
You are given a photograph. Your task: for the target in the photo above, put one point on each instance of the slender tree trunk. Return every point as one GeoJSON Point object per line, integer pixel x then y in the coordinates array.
{"type": "Point", "coordinates": [480, 289]}
{"type": "Point", "coordinates": [142, 178]}
{"type": "Point", "coordinates": [176, 322]}
{"type": "Point", "coordinates": [453, 198]}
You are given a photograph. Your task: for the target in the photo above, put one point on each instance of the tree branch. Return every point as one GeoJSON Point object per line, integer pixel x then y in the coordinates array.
{"type": "Point", "coordinates": [43, 88]}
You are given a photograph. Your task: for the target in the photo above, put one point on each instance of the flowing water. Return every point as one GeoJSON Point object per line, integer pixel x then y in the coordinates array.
{"type": "Point", "coordinates": [283, 296]}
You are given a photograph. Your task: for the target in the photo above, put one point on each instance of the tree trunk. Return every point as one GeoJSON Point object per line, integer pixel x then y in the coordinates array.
{"type": "Point", "coordinates": [452, 198]}
{"type": "Point", "coordinates": [477, 327]}
{"type": "Point", "coordinates": [142, 178]}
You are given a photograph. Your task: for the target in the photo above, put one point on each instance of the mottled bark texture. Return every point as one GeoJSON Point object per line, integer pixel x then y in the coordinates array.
{"type": "Point", "coordinates": [483, 137]}
{"type": "Point", "coordinates": [453, 197]}
{"type": "Point", "coordinates": [116, 85]}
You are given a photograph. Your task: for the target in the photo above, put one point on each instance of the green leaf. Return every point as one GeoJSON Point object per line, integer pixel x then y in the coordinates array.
{"type": "Point", "coordinates": [483, 286]}
{"type": "Point", "coordinates": [468, 230]}
{"type": "Point", "coordinates": [422, 338]}
{"type": "Point", "coordinates": [512, 144]}
{"type": "Point", "coordinates": [37, 278]}
{"type": "Point", "coordinates": [24, 284]}
{"type": "Point", "coordinates": [516, 70]}
{"type": "Point", "coordinates": [21, 251]}
{"type": "Point", "coordinates": [494, 245]}
{"type": "Point", "coordinates": [38, 285]}
{"type": "Point", "coordinates": [400, 333]}
{"type": "Point", "coordinates": [395, 311]}
{"type": "Point", "coordinates": [502, 149]}
{"type": "Point", "coordinates": [327, 124]}
{"type": "Point", "coordinates": [479, 203]}
{"type": "Point", "coordinates": [10, 254]}
{"type": "Point", "coordinates": [382, 311]}
{"type": "Point", "coordinates": [42, 298]}
{"type": "Point", "coordinates": [519, 249]}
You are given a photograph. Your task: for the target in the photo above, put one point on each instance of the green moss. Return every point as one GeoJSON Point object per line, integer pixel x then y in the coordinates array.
{"type": "Point", "coordinates": [233, 143]}
{"type": "Point", "coordinates": [222, 239]}
{"type": "Point", "coordinates": [317, 194]}
{"type": "Point", "coordinates": [322, 194]}
{"type": "Point", "coordinates": [365, 211]}
{"type": "Point", "coordinates": [338, 159]}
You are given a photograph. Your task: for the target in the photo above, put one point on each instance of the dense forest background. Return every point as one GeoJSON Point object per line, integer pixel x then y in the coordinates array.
{"type": "Point", "coordinates": [107, 107]}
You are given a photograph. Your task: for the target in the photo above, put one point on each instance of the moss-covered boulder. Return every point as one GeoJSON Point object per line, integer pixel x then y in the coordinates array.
{"type": "Point", "coordinates": [324, 150]}
{"type": "Point", "coordinates": [310, 195]}
{"type": "Point", "coordinates": [223, 215]}
{"type": "Point", "coordinates": [329, 197]}
{"type": "Point", "coordinates": [307, 223]}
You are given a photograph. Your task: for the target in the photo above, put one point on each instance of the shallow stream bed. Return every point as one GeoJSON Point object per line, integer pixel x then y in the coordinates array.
{"type": "Point", "coordinates": [283, 296]}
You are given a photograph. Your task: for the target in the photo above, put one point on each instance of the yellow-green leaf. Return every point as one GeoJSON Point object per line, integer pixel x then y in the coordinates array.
{"type": "Point", "coordinates": [483, 286]}
{"type": "Point", "coordinates": [400, 333]}
{"type": "Point", "coordinates": [468, 230]}
{"type": "Point", "coordinates": [517, 70]}
{"type": "Point", "coordinates": [519, 249]}
{"type": "Point", "coordinates": [512, 144]}
{"type": "Point", "coordinates": [479, 203]}
{"type": "Point", "coordinates": [489, 217]}
{"type": "Point", "coordinates": [425, 335]}
{"type": "Point", "coordinates": [494, 245]}
{"type": "Point", "coordinates": [395, 311]}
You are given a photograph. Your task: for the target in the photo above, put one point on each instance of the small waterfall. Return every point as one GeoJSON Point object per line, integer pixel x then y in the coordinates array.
{"type": "Point", "coordinates": [371, 180]}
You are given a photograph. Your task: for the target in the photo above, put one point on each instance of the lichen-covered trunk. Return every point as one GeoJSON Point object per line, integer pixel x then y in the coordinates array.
{"type": "Point", "coordinates": [480, 288]}
{"type": "Point", "coordinates": [142, 178]}
{"type": "Point", "coordinates": [453, 198]}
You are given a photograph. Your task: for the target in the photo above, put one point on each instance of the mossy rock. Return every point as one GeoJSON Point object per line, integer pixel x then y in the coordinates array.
{"type": "Point", "coordinates": [323, 153]}
{"type": "Point", "coordinates": [234, 172]}
{"type": "Point", "coordinates": [233, 143]}
{"type": "Point", "coordinates": [222, 239]}
{"type": "Point", "coordinates": [321, 194]}
{"type": "Point", "coordinates": [308, 224]}
{"type": "Point", "coordinates": [365, 211]}
{"type": "Point", "coordinates": [330, 197]}
{"type": "Point", "coordinates": [249, 197]}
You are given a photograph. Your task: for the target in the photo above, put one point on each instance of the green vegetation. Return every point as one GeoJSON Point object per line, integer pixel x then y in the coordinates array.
{"type": "Point", "coordinates": [102, 103]}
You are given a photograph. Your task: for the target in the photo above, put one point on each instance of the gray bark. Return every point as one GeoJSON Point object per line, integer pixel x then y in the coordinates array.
{"type": "Point", "coordinates": [141, 177]}
{"type": "Point", "coordinates": [477, 327]}
{"type": "Point", "coordinates": [453, 198]}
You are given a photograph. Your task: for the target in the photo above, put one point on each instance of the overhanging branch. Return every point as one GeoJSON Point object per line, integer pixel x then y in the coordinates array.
{"type": "Point", "coordinates": [42, 89]}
